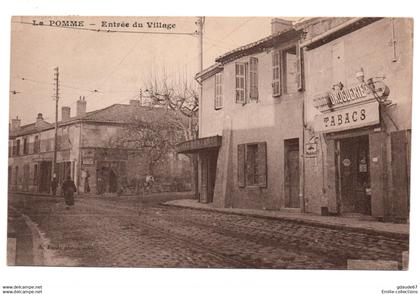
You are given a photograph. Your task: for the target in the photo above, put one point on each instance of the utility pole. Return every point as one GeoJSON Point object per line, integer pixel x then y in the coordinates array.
{"type": "Point", "coordinates": [56, 98]}
{"type": "Point", "coordinates": [200, 23]}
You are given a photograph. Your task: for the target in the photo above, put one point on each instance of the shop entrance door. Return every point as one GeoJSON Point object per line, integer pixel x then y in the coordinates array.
{"type": "Point", "coordinates": [353, 164]}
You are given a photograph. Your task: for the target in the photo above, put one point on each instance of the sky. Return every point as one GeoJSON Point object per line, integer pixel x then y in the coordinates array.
{"type": "Point", "coordinates": [111, 67]}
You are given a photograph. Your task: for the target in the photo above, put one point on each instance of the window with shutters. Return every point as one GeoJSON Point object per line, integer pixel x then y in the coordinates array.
{"type": "Point", "coordinates": [252, 164]}
{"type": "Point", "coordinates": [276, 73]}
{"type": "Point", "coordinates": [246, 81]}
{"type": "Point", "coordinates": [240, 85]}
{"type": "Point", "coordinates": [218, 91]}
{"type": "Point", "coordinates": [253, 78]}
{"type": "Point", "coordinates": [287, 71]}
{"type": "Point", "coordinates": [289, 60]}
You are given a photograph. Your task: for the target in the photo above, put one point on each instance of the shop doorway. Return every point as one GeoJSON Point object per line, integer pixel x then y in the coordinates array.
{"type": "Point", "coordinates": [353, 175]}
{"type": "Point", "coordinates": [291, 173]}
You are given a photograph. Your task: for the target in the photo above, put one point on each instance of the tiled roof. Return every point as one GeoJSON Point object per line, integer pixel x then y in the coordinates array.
{"type": "Point", "coordinates": [116, 113]}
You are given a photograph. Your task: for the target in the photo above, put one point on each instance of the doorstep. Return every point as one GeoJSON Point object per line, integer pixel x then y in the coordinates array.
{"type": "Point", "coordinates": [400, 231]}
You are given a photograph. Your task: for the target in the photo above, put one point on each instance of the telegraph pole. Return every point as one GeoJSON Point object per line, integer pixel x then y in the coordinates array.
{"type": "Point", "coordinates": [200, 23]}
{"type": "Point", "coordinates": [56, 98]}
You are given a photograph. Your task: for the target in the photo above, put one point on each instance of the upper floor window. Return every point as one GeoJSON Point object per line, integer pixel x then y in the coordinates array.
{"type": "Point", "coordinates": [218, 91]}
{"type": "Point", "coordinates": [36, 144]}
{"type": "Point", "coordinates": [25, 146]}
{"type": "Point", "coordinates": [17, 147]}
{"type": "Point", "coordinates": [287, 71]}
{"type": "Point", "coordinates": [246, 81]}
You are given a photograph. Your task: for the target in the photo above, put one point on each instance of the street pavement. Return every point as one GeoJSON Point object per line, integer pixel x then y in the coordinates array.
{"type": "Point", "coordinates": [140, 232]}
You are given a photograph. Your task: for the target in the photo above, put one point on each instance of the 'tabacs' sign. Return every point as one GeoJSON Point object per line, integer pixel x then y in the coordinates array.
{"type": "Point", "coordinates": [348, 118]}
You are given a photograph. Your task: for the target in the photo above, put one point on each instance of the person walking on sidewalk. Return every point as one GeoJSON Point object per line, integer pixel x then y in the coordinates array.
{"type": "Point", "coordinates": [69, 188]}
{"type": "Point", "coordinates": [54, 185]}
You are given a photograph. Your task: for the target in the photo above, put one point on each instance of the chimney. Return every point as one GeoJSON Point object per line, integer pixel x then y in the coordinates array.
{"type": "Point", "coordinates": [279, 25]}
{"type": "Point", "coordinates": [81, 106]}
{"type": "Point", "coordinates": [39, 120]}
{"type": "Point", "coordinates": [65, 113]}
{"type": "Point", "coordinates": [15, 124]}
{"type": "Point", "coordinates": [135, 102]}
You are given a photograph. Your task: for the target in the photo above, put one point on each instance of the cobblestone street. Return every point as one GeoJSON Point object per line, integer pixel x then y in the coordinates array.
{"type": "Point", "coordinates": [126, 232]}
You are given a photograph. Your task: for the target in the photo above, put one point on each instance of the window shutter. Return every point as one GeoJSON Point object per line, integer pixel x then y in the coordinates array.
{"type": "Point", "coordinates": [299, 69]}
{"type": "Point", "coordinates": [240, 82]}
{"type": "Point", "coordinates": [241, 165]}
{"type": "Point", "coordinates": [276, 73]}
{"type": "Point", "coordinates": [253, 76]}
{"type": "Point", "coordinates": [262, 164]}
{"type": "Point", "coordinates": [218, 96]}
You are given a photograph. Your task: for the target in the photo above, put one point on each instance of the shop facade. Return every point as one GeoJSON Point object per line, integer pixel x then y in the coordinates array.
{"type": "Point", "coordinates": [358, 117]}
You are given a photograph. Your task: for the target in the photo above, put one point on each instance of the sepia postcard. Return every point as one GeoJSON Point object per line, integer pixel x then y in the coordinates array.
{"type": "Point", "coordinates": [210, 142]}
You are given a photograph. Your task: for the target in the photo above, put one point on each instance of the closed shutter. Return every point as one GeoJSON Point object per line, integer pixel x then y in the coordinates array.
{"type": "Point", "coordinates": [240, 82]}
{"type": "Point", "coordinates": [262, 164]}
{"type": "Point", "coordinates": [400, 173]}
{"type": "Point", "coordinates": [276, 84]}
{"type": "Point", "coordinates": [241, 165]}
{"type": "Point", "coordinates": [299, 69]}
{"type": "Point", "coordinates": [218, 98]}
{"type": "Point", "coordinates": [253, 76]}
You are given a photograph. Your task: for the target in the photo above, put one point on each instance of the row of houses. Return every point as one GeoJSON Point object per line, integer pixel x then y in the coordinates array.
{"type": "Point", "coordinates": [87, 152]}
{"type": "Point", "coordinates": [316, 117]}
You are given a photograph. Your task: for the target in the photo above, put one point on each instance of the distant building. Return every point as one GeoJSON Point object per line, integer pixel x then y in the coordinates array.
{"type": "Point", "coordinates": [85, 153]}
{"type": "Point", "coordinates": [314, 118]}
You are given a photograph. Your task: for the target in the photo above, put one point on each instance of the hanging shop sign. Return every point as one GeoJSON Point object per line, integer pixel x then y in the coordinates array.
{"type": "Point", "coordinates": [341, 97]}
{"type": "Point", "coordinates": [349, 118]}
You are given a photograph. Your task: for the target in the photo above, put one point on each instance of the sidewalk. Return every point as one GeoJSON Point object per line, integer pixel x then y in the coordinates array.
{"type": "Point", "coordinates": [400, 231]}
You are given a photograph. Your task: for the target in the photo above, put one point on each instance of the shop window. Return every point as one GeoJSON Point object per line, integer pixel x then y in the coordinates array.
{"type": "Point", "coordinates": [218, 91]}
{"type": "Point", "coordinates": [246, 81]}
{"type": "Point", "coordinates": [252, 164]}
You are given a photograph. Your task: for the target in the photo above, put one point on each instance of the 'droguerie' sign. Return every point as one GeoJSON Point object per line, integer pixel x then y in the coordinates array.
{"type": "Point", "coordinates": [349, 118]}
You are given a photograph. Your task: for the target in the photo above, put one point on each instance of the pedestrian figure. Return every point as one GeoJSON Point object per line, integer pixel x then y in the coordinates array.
{"type": "Point", "coordinates": [54, 185]}
{"type": "Point", "coordinates": [69, 188]}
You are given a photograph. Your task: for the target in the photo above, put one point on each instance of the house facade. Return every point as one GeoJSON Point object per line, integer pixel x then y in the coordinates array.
{"type": "Point", "coordinates": [85, 152]}
{"type": "Point", "coordinates": [314, 118]}
{"type": "Point", "coordinates": [251, 125]}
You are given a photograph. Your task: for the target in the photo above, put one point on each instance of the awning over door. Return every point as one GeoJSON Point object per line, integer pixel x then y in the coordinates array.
{"type": "Point", "coordinates": [196, 145]}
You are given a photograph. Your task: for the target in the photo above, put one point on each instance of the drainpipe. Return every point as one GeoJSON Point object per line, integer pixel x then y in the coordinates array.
{"type": "Point", "coordinates": [302, 185]}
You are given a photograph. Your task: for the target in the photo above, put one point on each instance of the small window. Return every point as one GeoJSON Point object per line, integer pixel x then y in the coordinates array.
{"type": "Point", "coordinates": [218, 91]}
